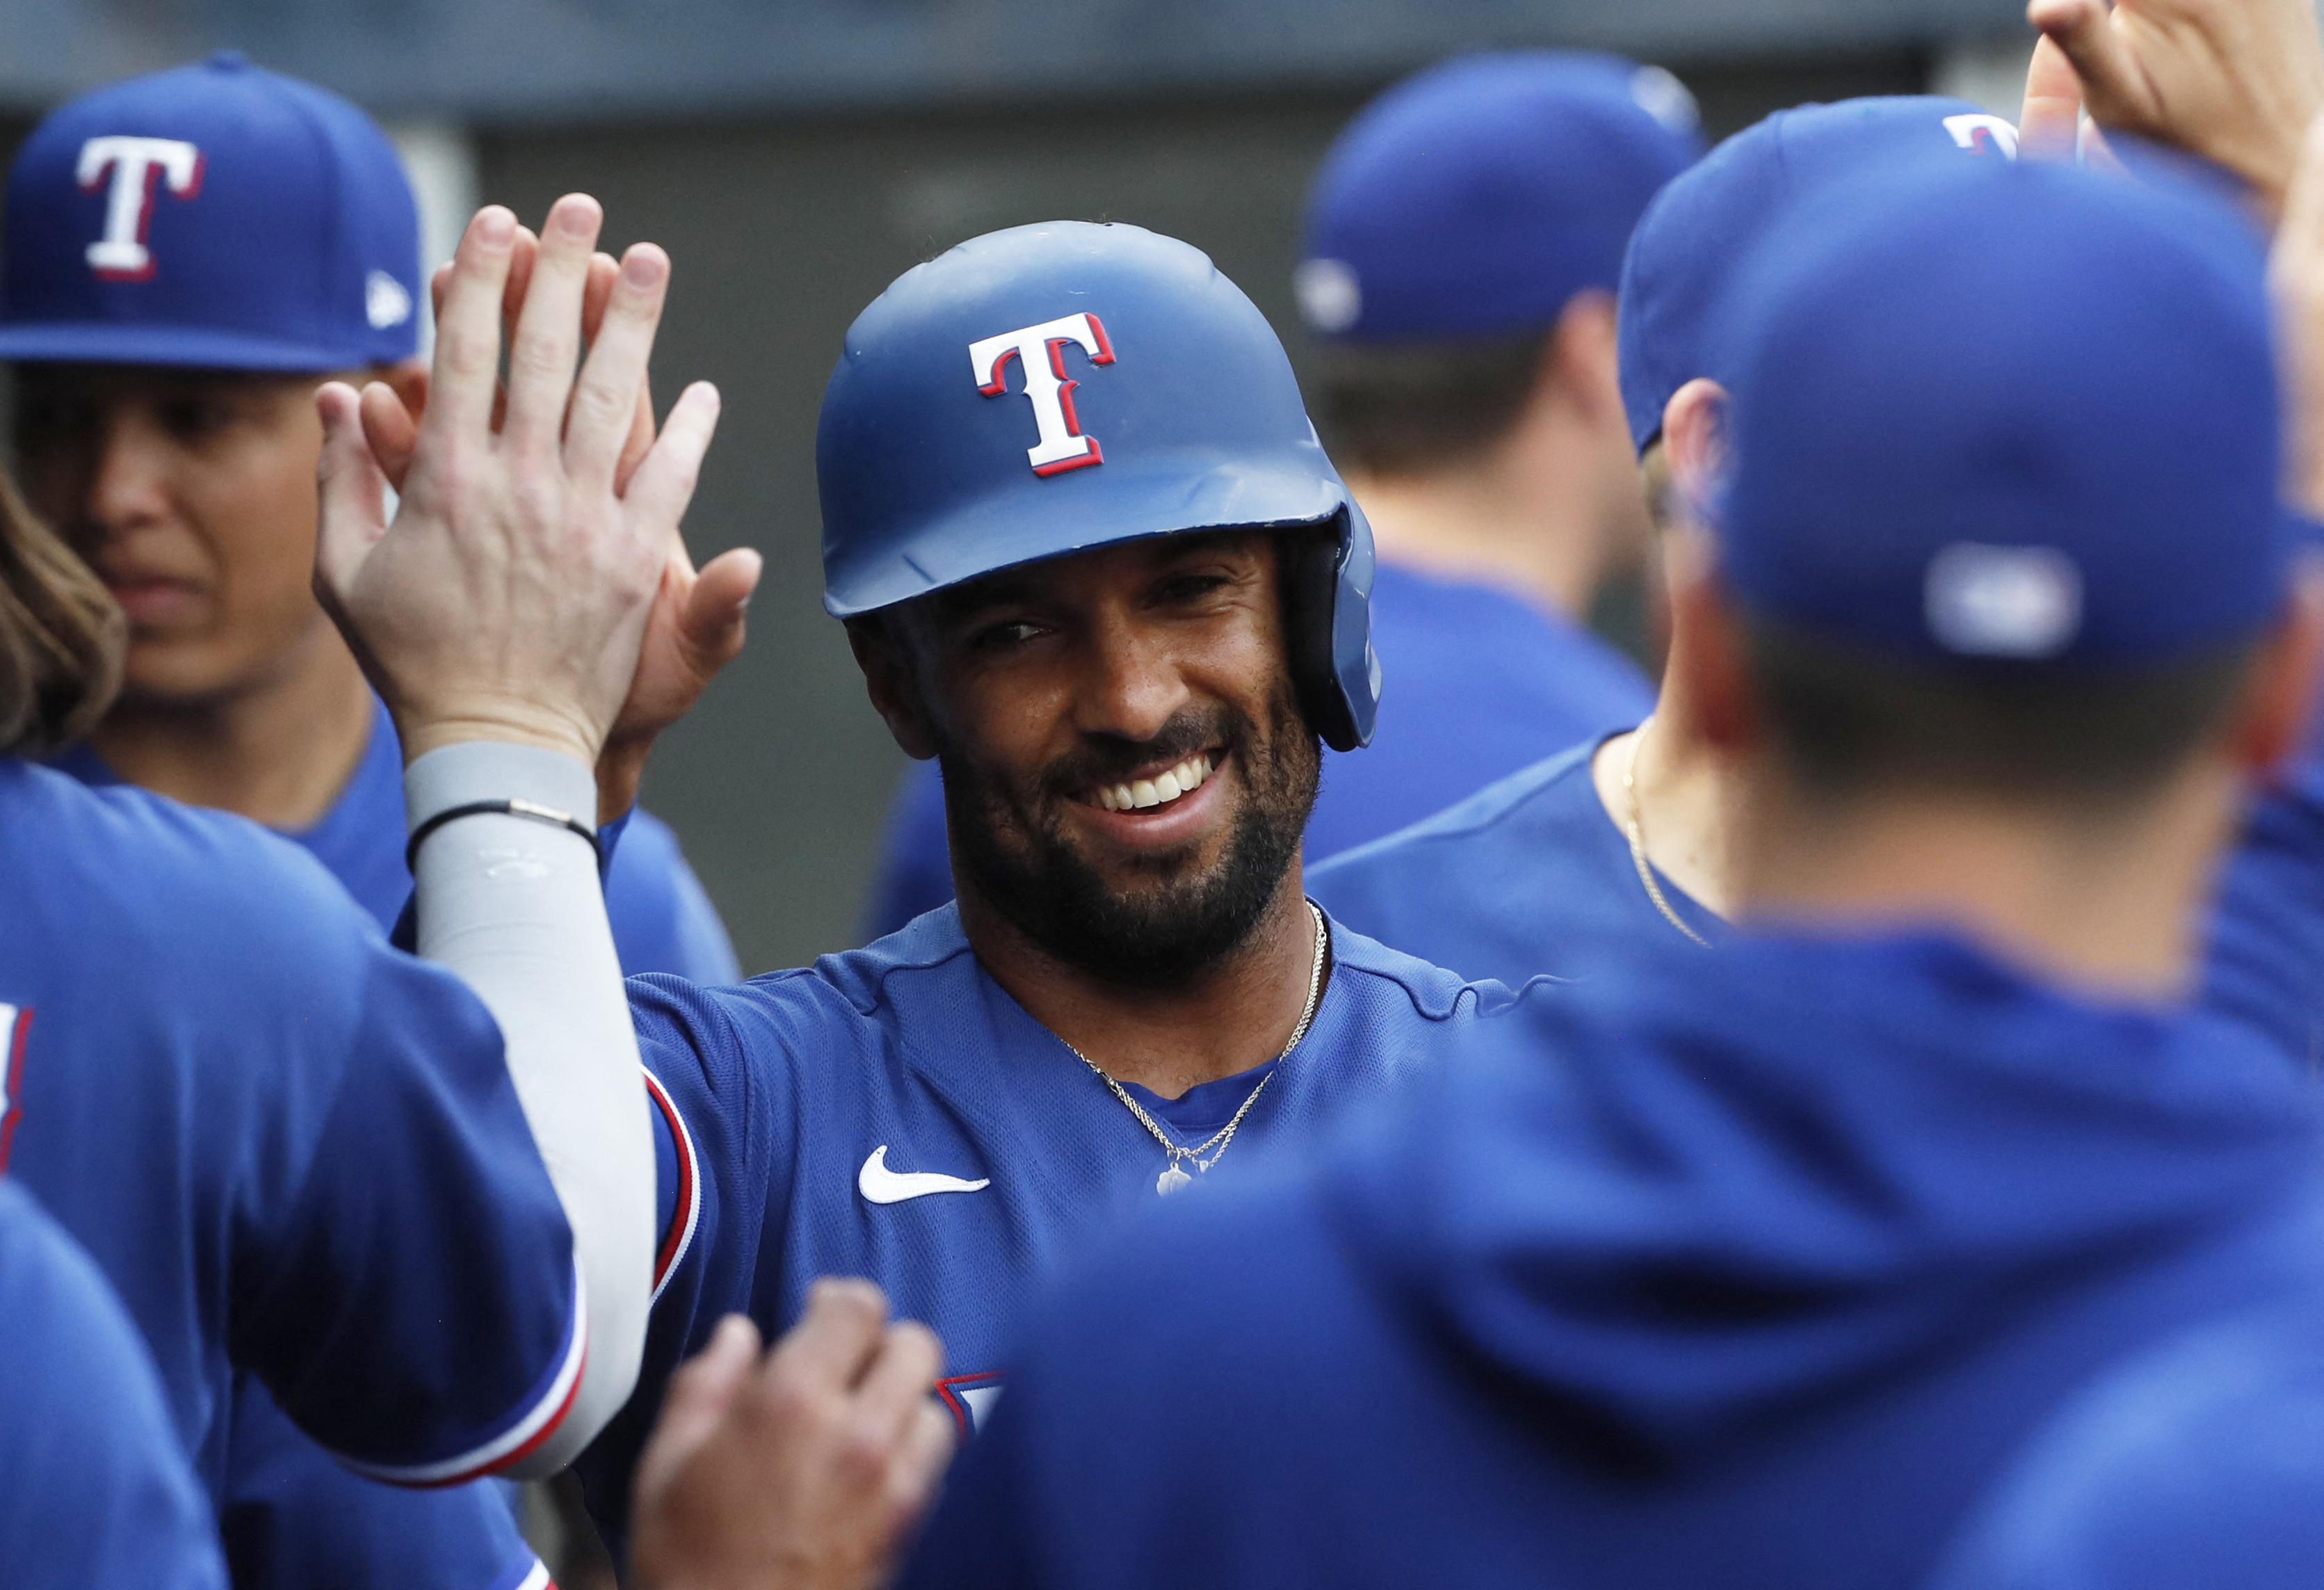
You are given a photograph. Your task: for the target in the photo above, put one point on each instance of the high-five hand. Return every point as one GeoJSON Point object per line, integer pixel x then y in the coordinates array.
{"type": "Point", "coordinates": [2235, 81]}
{"type": "Point", "coordinates": [803, 1469]}
{"type": "Point", "coordinates": [509, 599]}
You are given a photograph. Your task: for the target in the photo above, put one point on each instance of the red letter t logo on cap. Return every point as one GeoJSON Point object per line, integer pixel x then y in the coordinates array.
{"type": "Point", "coordinates": [1041, 350]}
{"type": "Point", "coordinates": [136, 163]}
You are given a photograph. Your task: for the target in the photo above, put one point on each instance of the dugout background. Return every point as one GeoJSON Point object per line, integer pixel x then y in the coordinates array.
{"type": "Point", "coordinates": [787, 209]}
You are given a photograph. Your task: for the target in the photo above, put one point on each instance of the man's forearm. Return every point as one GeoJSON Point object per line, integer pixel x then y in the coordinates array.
{"type": "Point", "coordinates": [514, 905]}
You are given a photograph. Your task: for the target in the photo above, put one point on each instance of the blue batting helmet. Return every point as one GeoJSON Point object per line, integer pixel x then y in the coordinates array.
{"type": "Point", "coordinates": [1052, 388]}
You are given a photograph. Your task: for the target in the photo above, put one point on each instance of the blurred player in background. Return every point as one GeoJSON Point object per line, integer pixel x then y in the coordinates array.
{"type": "Point", "coordinates": [1623, 843]}
{"type": "Point", "coordinates": [1091, 556]}
{"type": "Point", "coordinates": [1538, 872]}
{"type": "Point", "coordinates": [415, 1200]}
{"type": "Point", "coordinates": [1756, 1268]}
{"type": "Point", "coordinates": [95, 1493]}
{"type": "Point", "coordinates": [188, 256]}
{"type": "Point", "coordinates": [1462, 244]}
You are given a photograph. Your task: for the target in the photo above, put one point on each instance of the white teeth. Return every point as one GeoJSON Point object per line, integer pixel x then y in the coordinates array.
{"type": "Point", "coordinates": [1141, 793]}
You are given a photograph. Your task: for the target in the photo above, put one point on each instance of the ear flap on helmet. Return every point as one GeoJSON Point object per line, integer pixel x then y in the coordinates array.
{"type": "Point", "coordinates": [1328, 625]}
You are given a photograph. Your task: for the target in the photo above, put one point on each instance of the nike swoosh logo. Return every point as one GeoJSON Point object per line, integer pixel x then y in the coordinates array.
{"type": "Point", "coordinates": [880, 1185]}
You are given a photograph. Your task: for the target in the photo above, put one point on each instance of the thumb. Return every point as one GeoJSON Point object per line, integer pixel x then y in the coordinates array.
{"type": "Point", "coordinates": [712, 623]}
{"type": "Point", "coordinates": [351, 491]}
{"type": "Point", "coordinates": [699, 1395]}
{"type": "Point", "coordinates": [2053, 105]}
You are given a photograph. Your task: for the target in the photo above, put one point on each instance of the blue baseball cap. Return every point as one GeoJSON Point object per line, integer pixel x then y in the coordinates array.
{"type": "Point", "coordinates": [2028, 416]}
{"type": "Point", "coordinates": [1477, 197]}
{"type": "Point", "coordinates": [1700, 227]}
{"type": "Point", "coordinates": [216, 216]}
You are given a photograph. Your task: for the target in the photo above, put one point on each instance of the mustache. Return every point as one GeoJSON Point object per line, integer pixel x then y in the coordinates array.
{"type": "Point", "coordinates": [1105, 759]}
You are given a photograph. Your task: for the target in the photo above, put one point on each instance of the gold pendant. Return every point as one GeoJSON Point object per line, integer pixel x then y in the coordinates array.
{"type": "Point", "coordinates": [1171, 1180]}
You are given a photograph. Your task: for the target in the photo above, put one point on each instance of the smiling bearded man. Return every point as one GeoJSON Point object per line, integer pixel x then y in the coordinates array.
{"type": "Point", "coordinates": [1091, 558]}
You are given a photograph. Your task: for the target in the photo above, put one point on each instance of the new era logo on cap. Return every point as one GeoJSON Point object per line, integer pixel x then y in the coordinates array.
{"type": "Point", "coordinates": [2004, 601]}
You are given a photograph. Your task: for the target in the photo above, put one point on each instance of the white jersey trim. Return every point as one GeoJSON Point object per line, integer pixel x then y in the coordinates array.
{"type": "Point", "coordinates": [689, 1214]}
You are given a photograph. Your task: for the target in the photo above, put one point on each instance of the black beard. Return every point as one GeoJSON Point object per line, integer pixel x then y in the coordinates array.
{"type": "Point", "coordinates": [1160, 937]}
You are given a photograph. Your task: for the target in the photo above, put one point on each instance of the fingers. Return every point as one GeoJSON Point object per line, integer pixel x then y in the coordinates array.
{"type": "Point", "coordinates": [2083, 31]}
{"type": "Point", "coordinates": [664, 482]}
{"type": "Point", "coordinates": [604, 409]}
{"type": "Point", "coordinates": [921, 1459]}
{"type": "Point", "coordinates": [901, 1375]}
{"type": "Point", "coordinates": [468, 327]}
{"type": "Point", "coordinates": [352, 509]}
{"type": "Point", "coordinates": [835, 1339]}
{"type": "Point", "coordinates": [390, 431]}
{"type": "Point", "coordinates": [547, 341]}
{"type": "Point", "coordinates": [715, 608]}
{"type": "Point", "coordinates": [2047, 126]}
{"type": "Point", "coordinates": [699, 1397]}
{"type": "Point", "coordinates": [2296, 276]}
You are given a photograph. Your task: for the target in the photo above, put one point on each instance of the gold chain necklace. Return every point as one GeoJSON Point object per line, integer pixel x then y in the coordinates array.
{"type": "Point", "coordinates": [1635, 829]}
{"type": "Point", "coordinates": [1173, 1176]}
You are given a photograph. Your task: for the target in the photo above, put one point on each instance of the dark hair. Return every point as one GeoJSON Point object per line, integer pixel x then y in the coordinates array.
{"type": "Point", "coordinates": [1850, 719]}
{"type": "Point", "coordinates": [60, 636]}
{"type": "Point", "coordinates": [1413, 408]}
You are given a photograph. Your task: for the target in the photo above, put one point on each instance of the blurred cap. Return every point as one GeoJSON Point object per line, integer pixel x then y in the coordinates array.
{"type": "Point", "coordinates": [217, 216]}
{"type": "Point", "coordinates": [1477, 197]}
{"type": "Point", "coordinates": [1700, 228]}
{"type": "Point", "coordinates": [2028, 415]}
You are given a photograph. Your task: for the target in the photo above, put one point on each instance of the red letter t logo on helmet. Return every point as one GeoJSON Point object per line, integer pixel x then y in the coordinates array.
{"type": "Point", "coordinates": [121, 254]}
{"type": "Point", "coordinates": [1041, 350]}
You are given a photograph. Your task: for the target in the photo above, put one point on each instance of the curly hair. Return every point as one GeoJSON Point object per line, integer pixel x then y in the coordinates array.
{"type": "Point", "coordinates": [62, 636]}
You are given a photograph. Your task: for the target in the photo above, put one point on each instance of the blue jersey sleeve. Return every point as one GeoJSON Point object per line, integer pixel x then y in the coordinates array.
{"type": "Point", "coordinates": [2265, 965]}
{"type": "Point", "coordinates": [915, 874]}
{"type": "Point", "coordinates": [662, 920]}
{"type": "Point", "coordinates": [416, 1307]}
{"type": "Point", "coordinates": [95, 1491]}
{"type": "Point", "coordinates": [715, 1169]}
{"type": "Point", "coordinates": [293, 1517]}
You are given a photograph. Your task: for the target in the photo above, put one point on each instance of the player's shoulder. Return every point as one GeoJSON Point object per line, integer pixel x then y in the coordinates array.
{"type": "Point", "coordinates": [94, 1486]}
{"type": "Point", "coordinates": [1389, 984]}
{"type": "Point", "coordinates": [925, 972]}
{"type": "Point", "coordinates": [206, 877]}
{"type": "Point", "coordinates": [1525, 800]}
{"type": "Point", "coordinates": [2198, 1462]}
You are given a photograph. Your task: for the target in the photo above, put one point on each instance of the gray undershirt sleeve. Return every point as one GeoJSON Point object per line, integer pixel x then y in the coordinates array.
{"type": "Point", "coordinates": [514, 906]}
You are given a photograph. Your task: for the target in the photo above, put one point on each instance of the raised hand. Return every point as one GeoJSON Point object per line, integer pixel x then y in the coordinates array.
{"type": "Point", "coordinates": [696, 626]}
{"type": "Point", "coordinates": [2296, 279]}
{"type": "Point", "coordinates": [802, 1470]}
{"type": "Point", "coordinates": [510, 596]}
{"type": "Point", "coordinates": [2235, 81]}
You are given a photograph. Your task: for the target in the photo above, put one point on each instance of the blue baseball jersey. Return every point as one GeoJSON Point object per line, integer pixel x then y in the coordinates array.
{"type": "Point", "coordinates": [663, 920]}
{"type": "Point", "coordinates": [292, 1517]}
{"type": "Point", "coordinates": [1479, 683]}
{"type": "Point", "coordinates": [892, 1113]}
{"type": "Point", "coordinates": [1527, 877]}
{"type": "Point", "coordinates": [292, 1148]}
{"type": "Point", "coordinates": [1757, 1269]}
{"type": "Point", "coordinates": [292, 1508]}
{"type": "Point", "coordinates": [95, 1493]}
{"type": "Point", "coordinates": [1531, 877]}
